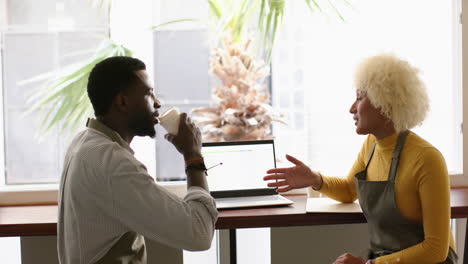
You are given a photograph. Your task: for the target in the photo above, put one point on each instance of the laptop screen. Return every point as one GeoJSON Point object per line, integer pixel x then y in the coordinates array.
{"type": "Point", "coordinates": [238, 165]}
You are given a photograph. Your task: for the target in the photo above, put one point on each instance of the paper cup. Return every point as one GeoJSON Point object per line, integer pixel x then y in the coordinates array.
{"type": "Point", "coordinates": [170, 120]}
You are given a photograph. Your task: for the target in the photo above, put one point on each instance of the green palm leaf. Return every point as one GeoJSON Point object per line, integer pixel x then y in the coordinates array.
{"type": "Point", "coordinates": [237, 16]}
{"type": "Point", "coordinates": [232, 16]}
{"type": "Point", "coordinates": [315, 5]}
{"type": "Point", "coordinates": [102, 4]}
{"type": "Point", "coordinates": [215, 9]}
{"type": "Point", "coordinates": [174, 21]}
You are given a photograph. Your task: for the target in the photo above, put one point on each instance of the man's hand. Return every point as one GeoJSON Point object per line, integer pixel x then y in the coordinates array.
{"type": "Point", "coordinates": [188, 140]}
{"type": "Point", "coordinates": [349, 259]}
{"type": "Point", "coordinates": [299, 176]}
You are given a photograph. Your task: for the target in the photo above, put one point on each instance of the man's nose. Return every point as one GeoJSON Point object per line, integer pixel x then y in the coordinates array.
{"type": "Point", "coordinates": [157, 103]}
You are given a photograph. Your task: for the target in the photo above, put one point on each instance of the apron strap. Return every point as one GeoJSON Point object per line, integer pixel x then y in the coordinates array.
{"type": "Point", "coordinates": [371, 153]}
{"type": "Point", "coordinates": [396, 155]}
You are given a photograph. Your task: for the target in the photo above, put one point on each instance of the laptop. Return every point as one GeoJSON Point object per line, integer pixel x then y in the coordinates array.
{"type": "Point", "coordinates": [236, 170]}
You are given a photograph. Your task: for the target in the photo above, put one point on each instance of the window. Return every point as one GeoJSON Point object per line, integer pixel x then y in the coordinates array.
{"type": "Point", "coordinates": [193, 90]}
{"type": "Point", "coordinates": [312, 75]}
{"type": "Point", "coordinates": [313, 69]}
{"type": "Point", "coordinates": [39, 37]}
{"type": "Point", "coordinates": [50, 34]}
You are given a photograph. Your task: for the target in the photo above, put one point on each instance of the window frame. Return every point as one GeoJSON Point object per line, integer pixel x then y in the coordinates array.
{"type": "Point", "coordinates": [462, 179]}
{"type": "Point", "coordinates": [2, 142]}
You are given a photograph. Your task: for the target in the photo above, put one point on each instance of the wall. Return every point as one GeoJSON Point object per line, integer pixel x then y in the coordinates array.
{"type": "Point", "coordinates": [43, 249]}
{"type": "Point", "coordinates": [289, 245]}
{"type": "Point", "coordinates": [315, 244]}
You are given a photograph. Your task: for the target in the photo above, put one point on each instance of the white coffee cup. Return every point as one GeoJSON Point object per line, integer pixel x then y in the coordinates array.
{"type": "Point", "coordinates": [170, 120]}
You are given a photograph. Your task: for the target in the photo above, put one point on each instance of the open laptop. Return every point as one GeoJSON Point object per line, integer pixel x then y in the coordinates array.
{"type": "Point", "coordinates": [236, 170]}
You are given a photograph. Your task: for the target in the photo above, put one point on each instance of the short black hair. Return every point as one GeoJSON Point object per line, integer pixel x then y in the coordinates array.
{"type": "Point", "coordinates": [108, 78]}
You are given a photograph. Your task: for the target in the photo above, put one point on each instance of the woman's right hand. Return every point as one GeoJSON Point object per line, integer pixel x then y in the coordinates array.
{"type": "Point", "coordinates": [299, 176]}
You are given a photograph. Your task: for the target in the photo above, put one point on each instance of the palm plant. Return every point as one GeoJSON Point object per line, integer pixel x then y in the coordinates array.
{"type": "Point", "coordinates": [242, 111]}
{"type": "Point", "coordinates": [241, 108]}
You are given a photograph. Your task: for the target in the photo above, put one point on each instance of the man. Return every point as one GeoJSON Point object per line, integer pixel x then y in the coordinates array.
{"type": "Point", "coordinates": [108, 202]}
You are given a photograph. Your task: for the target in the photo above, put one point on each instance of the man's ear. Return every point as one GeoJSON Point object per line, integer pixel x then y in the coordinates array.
{"type": "Point", "coordinates": [121, 102]}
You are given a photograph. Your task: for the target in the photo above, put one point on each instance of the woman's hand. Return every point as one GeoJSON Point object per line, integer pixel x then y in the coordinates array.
{"type": "Point", "coordinates": [349, 259]}
{"type": "Point", "coordinates": [299, 176]}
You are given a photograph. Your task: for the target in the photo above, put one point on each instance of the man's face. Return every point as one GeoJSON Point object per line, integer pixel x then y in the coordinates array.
{"type": "Point", "coordinates": [144, 107]}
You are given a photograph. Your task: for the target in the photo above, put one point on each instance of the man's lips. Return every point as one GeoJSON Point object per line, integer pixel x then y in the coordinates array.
{"type": "Point", "coordinates": [156, 118]}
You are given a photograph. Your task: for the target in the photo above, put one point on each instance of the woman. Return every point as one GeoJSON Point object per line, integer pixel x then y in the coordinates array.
{"type": "Point", "coordinates": [400, 179]}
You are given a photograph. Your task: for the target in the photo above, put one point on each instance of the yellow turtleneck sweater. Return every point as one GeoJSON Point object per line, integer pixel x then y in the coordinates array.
{"type": "Point", "coordinates": [422, 193]}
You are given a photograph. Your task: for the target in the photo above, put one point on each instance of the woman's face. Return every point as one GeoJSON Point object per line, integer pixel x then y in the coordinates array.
{"type": "Point", "coordinates": [368, 119]}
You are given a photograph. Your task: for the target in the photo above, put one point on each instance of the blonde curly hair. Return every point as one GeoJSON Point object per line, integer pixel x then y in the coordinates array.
{"type": "Point", "coordinates": [393, 86]}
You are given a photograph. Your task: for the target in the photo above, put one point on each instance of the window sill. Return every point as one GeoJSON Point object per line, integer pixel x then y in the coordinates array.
{"type": "Point", "coordinates": [48, 194]}
{"type": "Point", "coordinates": [458, 180]}
{"type": "Point", "coordinates": [29, 195]}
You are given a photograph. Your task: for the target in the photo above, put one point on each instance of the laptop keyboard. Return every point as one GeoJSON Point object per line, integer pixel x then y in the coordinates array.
{"type": "Point", "coordinates": [253, 198]}
{"type": "Point", "coordinates": [251, 201]}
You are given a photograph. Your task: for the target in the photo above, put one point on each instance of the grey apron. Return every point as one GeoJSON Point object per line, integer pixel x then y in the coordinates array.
{"type": "Point", "coordinates": [389, 231]}
{"type": "Point", "coordinates": [130, 249]}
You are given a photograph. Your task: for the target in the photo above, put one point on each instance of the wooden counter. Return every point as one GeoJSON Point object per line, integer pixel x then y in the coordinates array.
{"type": "Point", "coordinates": [42, 220]}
